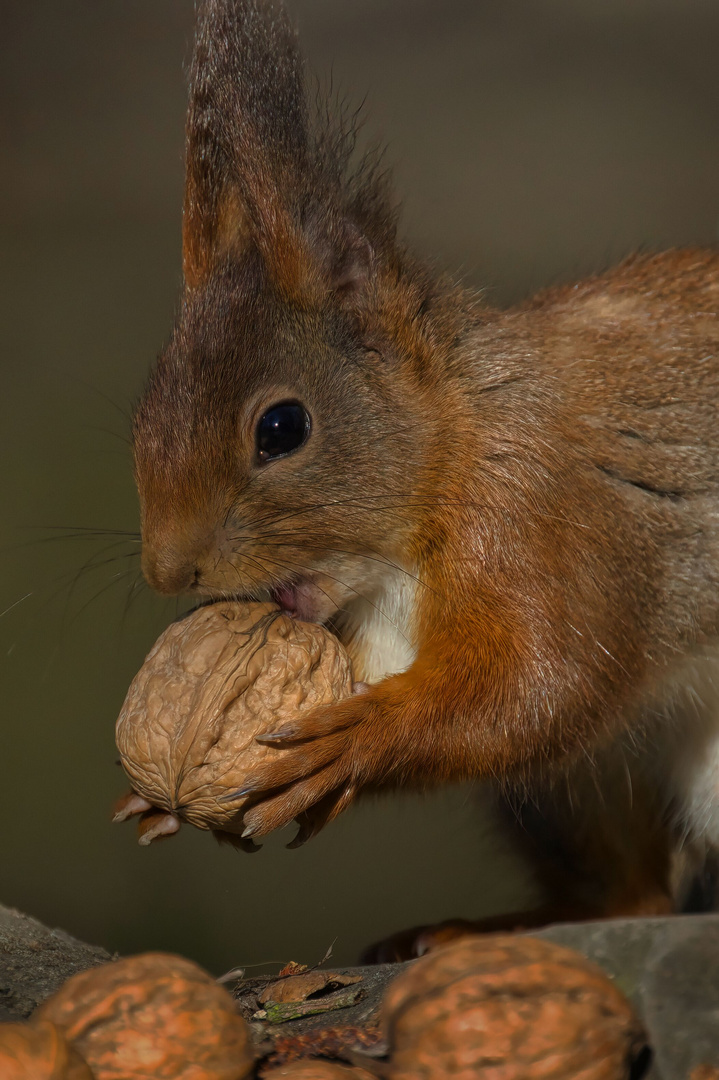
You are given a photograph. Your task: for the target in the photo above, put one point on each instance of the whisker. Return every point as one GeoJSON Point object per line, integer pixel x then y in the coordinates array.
{"type": "Point", "coordinates": [108, 431]}
{"type": "Point", "coordinates": [285, 515]}
{"type": "Point", "coordinates": [369, 502]}
{"type": "Point", "coordinates": [298, 566]}
{"type": "Point", "coordinates": [54, 652]}
{"type": "Point", "coordinates": [377, 558]}
{"type": "Point", "coordinates": [81, 532]}
{"type": "Point", "coordinates": [92, 529]}
{"type": "Point", "coordinates": [258, 582]}
{"type": "Point", "coordinates": [126, 416]}
{"type": "Point", "coordinates": [74, 577]}
{"type": "Point", "coordinates": [94, 562]}
{"type": "Point", "coordinates": [257, 562]}
{"type": "Point", "coordinates": [113, 581]}
{"type": "Point", "coordinates": [15, 604]}
{"type": "Point", "coordinates": [135, 588]}
{"type": "Point", "coordinates": [89, 565]}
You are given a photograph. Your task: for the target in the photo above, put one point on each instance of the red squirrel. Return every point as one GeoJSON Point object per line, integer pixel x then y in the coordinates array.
{"type": "Point", "coordinates": [510, 517]}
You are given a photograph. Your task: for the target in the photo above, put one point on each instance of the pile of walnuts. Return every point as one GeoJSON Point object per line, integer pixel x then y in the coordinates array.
{"type": "Point", "coordinates": [483, 1008]}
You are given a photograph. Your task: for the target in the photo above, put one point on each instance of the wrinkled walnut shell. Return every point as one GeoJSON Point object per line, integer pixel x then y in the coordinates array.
{"type": "Point", "coordinates": [508, 1007]}
{"type": "Point", "coordinates": [212, 683]}
{"type": "Point", "coordinates": [153, 1015]}
{"type": "Point", "coordinates": [39, 1051]}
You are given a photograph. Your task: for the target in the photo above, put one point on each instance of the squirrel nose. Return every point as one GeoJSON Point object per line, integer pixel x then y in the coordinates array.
{"type": "Point", "coordinates": [178, 557]}
{"type": "Point", "coordinates": [168, 577]}
{"type": "Point", "coordinates": [172, 558]}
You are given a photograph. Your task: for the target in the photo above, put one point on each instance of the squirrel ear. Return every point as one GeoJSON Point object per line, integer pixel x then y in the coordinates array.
{"type": "Point", "coordinates": [246, 141]}
{"type": "Point", "coordinates": [355, 266]}
{"type": "Point", "coordinates": [261, 176]}
{"type": "Point", "coordinates": [344, 256]}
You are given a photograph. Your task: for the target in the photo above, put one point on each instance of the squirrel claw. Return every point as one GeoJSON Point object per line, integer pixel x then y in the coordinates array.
{"type": "Point", "coordinates": [316, 779]}
{"type": "Point", "coordinates": [156, 825]}
{"type": "Point", "coordinates": [128, 806]}
{"type": "Point", "coordinates": [283, 735]}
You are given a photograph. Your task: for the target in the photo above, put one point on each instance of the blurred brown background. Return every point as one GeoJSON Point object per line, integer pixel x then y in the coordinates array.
{"type": "Point", "coordinates": [533, 141]}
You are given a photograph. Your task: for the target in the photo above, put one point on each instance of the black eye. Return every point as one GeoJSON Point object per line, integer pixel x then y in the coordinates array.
{"type": "Point", "coordinates": [282, 429]}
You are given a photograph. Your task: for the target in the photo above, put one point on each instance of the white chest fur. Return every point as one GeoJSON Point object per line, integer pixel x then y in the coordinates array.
{"type": "Point", "coordinates": [690, 758]}
{"type": "Point", "coordinates": [379, 628]}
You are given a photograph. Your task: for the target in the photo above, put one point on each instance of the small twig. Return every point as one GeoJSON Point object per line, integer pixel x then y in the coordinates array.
{"type": "Point", "coordinates": [238, 973]}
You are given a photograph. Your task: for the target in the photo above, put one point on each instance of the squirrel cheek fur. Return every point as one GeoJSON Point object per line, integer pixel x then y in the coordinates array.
{"type": "Point", "coordinates": [510, 516]}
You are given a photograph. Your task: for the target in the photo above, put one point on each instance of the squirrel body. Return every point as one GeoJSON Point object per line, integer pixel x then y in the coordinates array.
{"type": "Point", "coordinates": [511, 517]}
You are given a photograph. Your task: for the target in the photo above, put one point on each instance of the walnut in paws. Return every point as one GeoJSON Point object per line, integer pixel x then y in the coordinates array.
{"type": "Point", "coordinates": [212, 683]}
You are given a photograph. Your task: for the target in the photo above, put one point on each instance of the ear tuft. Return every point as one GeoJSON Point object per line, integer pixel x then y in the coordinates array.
{"type": "Point", "coordinates": [261, 176]}
{"type": "Point", "coordinates": [246, 138]}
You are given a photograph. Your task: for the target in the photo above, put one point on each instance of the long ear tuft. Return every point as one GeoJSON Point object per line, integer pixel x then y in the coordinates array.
{"type": "Point", "coordinates": [264, 174]}
{"type": "Point", "coordinates": [247, 135]}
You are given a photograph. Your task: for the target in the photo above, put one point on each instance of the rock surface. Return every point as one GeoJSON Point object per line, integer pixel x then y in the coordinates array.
{"type": "Point", "coordinates": [35, 961]}
{"type": "Point", "coordinates": [669, 969]}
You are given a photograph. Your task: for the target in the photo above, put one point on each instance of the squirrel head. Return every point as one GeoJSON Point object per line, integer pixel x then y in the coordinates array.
{"type": "Point", "coordinates": [280, 441]}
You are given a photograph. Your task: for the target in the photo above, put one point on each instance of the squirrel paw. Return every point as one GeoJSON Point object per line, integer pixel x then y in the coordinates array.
{"type": "Point", "coordinates": [324, 762]}
{"type": "Point", "coordinates": [409, 944]}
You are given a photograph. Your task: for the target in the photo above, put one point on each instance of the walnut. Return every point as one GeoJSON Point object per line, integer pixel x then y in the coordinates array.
{"type": "Point", "coordinates": [152, 1015]}
{"type": "Point", "coordinates": [39, 1051]}
{"type": "Point", "coordinates": [214, 681]}
{"type": "Point", "coordinates": [510, 1008]}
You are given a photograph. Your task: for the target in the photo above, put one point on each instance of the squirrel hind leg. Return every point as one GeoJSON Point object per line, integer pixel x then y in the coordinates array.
{"type": "Point", "coordinates": [695, 877]}
{"type": "Point", "coordinates": [419, 940]}
{"type": "Point", "coordinates": [597, 851]}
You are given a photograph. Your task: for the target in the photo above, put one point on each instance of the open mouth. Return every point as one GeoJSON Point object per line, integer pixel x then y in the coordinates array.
{"type": "Point", "coordinates": [303, 600]}
{"type": "Point", "coordinates": [287, 597]}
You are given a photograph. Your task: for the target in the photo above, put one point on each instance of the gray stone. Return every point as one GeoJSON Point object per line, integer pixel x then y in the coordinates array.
{"type": "Point", "coordinates": [680, 997]}
{"type": "Point", "coordinates": [669, 969]}
{"type": "Point", "coordinates": [35, 961]}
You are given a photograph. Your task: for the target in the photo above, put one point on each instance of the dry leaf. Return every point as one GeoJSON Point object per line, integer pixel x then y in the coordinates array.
{"type": "Point", "coordinates": [292, 969]}
{"type": "Point", "coordinates": [301, 987]}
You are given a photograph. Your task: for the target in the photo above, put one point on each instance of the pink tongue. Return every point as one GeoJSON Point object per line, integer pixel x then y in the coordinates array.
{"type": "Point", "coordinates": [286, 597]}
